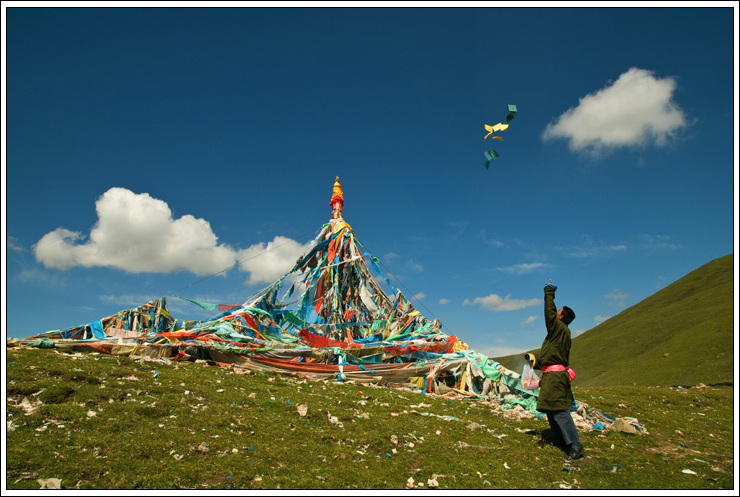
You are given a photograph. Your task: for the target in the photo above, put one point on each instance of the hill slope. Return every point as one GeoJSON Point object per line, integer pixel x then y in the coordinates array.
{"type": "Point", "coordinates": [681, 335]}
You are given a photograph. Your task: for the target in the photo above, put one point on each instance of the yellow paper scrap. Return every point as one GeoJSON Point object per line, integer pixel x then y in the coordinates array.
{"type": "Point", "coordinates": [494, 128]}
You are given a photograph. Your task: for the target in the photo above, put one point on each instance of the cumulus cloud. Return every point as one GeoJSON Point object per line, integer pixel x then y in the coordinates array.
{"type": "Point", "coordinates": [443, 301]}
{"type": "Point", "coordinates": [636, 110]}
{"type": "Point", "coordinates": [137, 233]}
{"type": "Point", "coordinates": [494, 303]}
{"type": "Point", "coordinates": [266, 262]}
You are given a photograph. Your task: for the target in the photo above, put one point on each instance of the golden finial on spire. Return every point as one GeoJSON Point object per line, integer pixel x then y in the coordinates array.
{"type": "Point", "coordinates": [337, 199]}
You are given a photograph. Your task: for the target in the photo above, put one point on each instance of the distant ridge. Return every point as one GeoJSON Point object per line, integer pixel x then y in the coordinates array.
{"type": "Point", "coordinates": [681, 335]}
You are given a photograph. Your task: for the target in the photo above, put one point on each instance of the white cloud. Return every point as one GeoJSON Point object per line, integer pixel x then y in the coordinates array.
{"type": "Point", "coordinates": [443, 301]}
{"type": "Point", "coordinates": [130, 301]}
{"type": "Point", "coordinates": [635, 110]}
{"type": "Point", "coordinates": [658, 242]}
{"type": "Point", "coordinates": [598, 319]}
{"type": "Point", "coordinates": [590, 249]}
{"type": "Point", "coordinates": [137, 233]}
{"type": "Point", "coordinates": [619, 299]}
{"type": "Point", "coordinates": [457, 228]}
{"type": "Point", "coordinates": [494, 303]}
{"type": "Point", "coordinates": [414, 266]}
{"type": "Point", "coordinates": [489, 241]}
{"type": "Point", "coordinates": [390, 256]}
{"type": "Point", "coordinates": [13, 244]}
{"type": "Point", "coordinates": [502, 351]}
{"type": "Point", "coordinates": [268, 262]}
{"type": "Point", "coordinates": [522, 268]}
{"type": "Point", "coordinates": [419, 296]}
{"type": "Point", "coordinates": [38, 275]}
{"type": "Point", "coordinates": [575, 332]}
{"type": "Point", "coordinates": [530, 319]}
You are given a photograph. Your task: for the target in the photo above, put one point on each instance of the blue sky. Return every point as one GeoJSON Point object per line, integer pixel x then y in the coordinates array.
{"type": "Point", "coordinates": [160, 151]}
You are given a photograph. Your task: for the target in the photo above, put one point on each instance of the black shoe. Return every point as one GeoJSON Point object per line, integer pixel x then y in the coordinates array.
{"type": "Point", "coordinates": [576, 450]}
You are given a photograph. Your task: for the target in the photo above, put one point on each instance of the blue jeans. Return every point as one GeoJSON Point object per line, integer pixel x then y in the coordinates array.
{"type": "Point", "coordinates": [563, 428]}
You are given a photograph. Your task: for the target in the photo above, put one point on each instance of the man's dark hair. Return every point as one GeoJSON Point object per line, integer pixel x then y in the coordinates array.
{"type": "Point", "coordinates": [568, 315]}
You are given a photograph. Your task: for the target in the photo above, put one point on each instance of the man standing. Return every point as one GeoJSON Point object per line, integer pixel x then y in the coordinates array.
{"type": "Point", "coordinates": [556, 397]}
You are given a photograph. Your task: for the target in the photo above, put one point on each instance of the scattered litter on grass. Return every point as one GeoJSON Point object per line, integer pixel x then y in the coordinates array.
{"type": "Point", "coordinates": [465, 445]}
{"type": "Point", "coordinates": [334, 420]}
{"type": "Point", "coordinates": [202, 448]}
{"type": "Point", "coordinates": [28, 406]}
{"type": "Point", "coordinates": [564, 484]}
{"type": "Point", "coordinates": [50, 483]}
{"type": "Point", "coordinates": [689, 472]}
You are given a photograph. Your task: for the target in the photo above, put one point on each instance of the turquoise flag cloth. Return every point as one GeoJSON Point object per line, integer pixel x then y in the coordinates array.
{"type": "Point", "coordinates": [97, 329]}
{"type": "Point", "coordinates": [205, 305]}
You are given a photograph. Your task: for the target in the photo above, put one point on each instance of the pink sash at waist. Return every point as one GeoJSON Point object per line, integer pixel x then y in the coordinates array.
{"type": "Point", "coordinates": [559, 367]}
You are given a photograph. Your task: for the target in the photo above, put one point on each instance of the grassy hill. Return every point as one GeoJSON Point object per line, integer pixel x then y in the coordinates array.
{"type": "Point", "coordinates": [681, 335]}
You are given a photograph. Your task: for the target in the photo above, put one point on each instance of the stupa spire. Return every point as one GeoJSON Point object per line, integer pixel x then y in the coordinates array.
{"type": "Point", "coordinates": [337, 200]}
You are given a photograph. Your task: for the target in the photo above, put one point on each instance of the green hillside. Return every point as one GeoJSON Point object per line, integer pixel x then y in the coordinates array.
{"type": "Point", "coordinates": [681, 335]}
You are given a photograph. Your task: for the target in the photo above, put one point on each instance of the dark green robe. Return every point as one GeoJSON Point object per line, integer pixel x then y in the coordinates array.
{"type": "Point", "coordinates": [555, 392]}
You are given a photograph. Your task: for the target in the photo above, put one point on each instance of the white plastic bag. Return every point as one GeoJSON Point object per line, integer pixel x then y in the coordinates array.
{"type": "Point", "coordinates": [530, 380]}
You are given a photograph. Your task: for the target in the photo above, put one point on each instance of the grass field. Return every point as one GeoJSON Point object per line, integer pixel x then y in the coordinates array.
{"type": "Point", "coordinates": [108, 422]}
